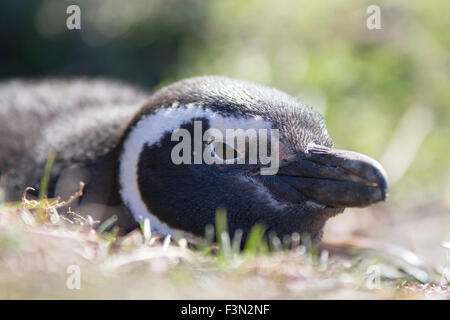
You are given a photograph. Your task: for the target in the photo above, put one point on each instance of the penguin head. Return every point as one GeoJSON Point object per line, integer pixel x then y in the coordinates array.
{"type": "Point", "coordinates": [212, 142]}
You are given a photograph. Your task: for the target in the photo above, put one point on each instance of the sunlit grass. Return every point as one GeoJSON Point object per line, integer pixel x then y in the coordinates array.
{"type": "Point", "coordinates": [143, 264]}
{"type": "Point", "coordinates": [39, 239]}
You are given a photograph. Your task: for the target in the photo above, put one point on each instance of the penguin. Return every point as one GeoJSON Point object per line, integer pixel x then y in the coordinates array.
{"type": "Point", "coordinates": [122, 144]}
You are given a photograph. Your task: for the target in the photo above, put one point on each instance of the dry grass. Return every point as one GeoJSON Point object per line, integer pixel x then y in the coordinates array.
{"type": "Point", "coordinates": [38, 244]}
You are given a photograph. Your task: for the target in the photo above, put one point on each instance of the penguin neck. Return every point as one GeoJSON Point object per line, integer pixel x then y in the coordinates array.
{"type": "Point", "coordinates": [149, 130]}
{"type": "Point", "coordinates": [146, 132]}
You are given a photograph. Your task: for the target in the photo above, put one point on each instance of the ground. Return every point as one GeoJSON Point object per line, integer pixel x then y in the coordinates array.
{"type": "Point", "coordinates": [46, 253]}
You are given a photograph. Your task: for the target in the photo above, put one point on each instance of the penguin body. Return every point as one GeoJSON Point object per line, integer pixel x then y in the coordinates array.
{"type": "Point", "coordinates": [111, 136]}
{"type": "Point", "coordinates": [81, 120]}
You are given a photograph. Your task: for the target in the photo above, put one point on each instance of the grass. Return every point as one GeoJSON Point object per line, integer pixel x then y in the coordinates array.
{"type": "Point", "coordinates": [36, 253]}
{"type": "Point", "coordinates": [40, 243]}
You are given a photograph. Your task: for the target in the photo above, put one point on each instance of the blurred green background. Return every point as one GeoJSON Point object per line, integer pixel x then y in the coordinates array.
{"type": "Point", "coordinates": [383, 92]}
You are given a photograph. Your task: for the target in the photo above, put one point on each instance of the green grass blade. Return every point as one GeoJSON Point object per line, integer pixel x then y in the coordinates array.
{"type": "Point", "coordinates": [255, 238]}
{"type": "Point", "coordinates": [107, 224]}
{"type": "Point", "coordinates": [43, 187]}
{"type": "Point", "coordinates": [221, 224]}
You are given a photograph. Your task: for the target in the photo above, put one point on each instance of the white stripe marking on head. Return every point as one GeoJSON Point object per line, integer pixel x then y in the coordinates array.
{"type": "Point", "coordinates": [148, 131]}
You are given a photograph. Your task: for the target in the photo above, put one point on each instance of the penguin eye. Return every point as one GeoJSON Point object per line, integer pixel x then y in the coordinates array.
{"type": "Point", "coordinates": [224, 151]}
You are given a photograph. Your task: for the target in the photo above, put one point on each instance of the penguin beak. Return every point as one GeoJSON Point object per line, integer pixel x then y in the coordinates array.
{"type": "Point", "coordinates": [336, 178]}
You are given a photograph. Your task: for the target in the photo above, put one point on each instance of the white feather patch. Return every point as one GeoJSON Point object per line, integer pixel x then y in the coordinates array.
{"type": "Point", "coordinates": [148, 131]}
